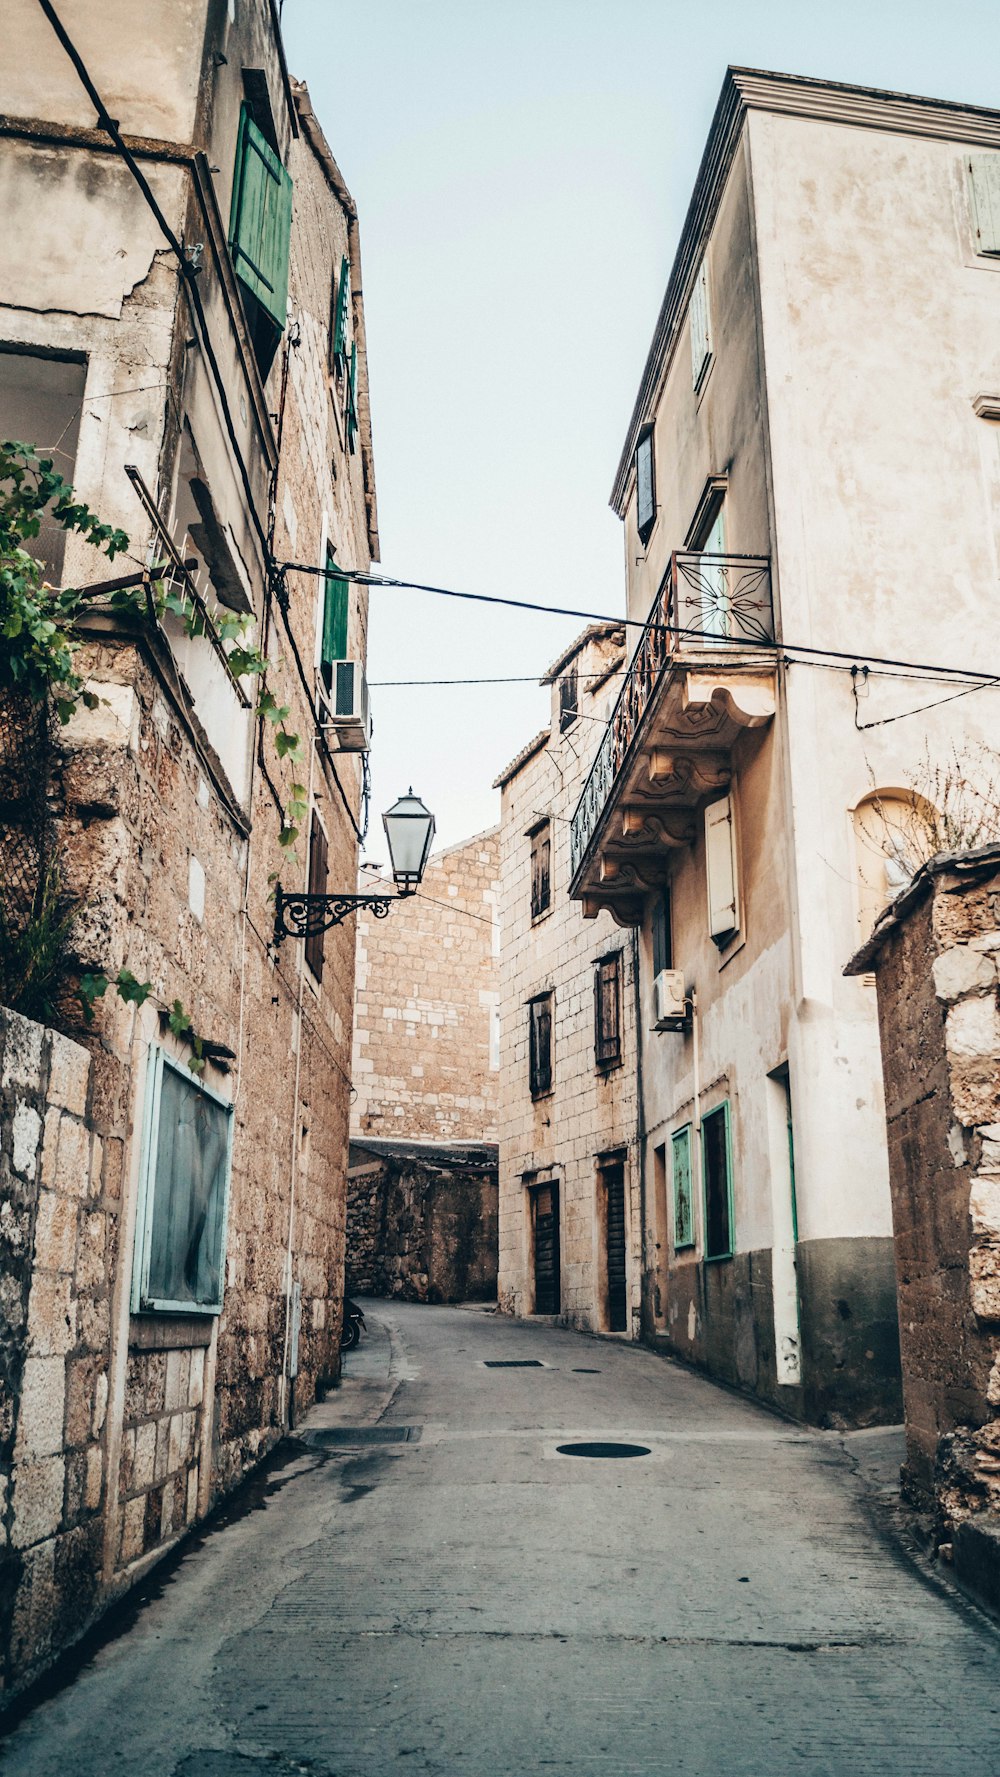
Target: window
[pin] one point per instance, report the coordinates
(180, 1240)
(260, 225)
(984, 186)
(721, 872)
(40, 403)
(680, 1152)
(569, 699)
(317, 886)
(540, 1045)
(663, 950)
(335, 615)
(541, 870)
(701, 328)
(338, 318)
(351, 414)
(199, 531)
(717, 1167)
(607, 1010)
(645, 490)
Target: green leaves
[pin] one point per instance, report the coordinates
(288, 746)
(93, 987)
(131, 990)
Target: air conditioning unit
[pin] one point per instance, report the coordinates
(669, 1001)
(346, 706)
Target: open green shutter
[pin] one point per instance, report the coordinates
(984, 179)
(335, 610)
(352, 397)
(340, 313)
(260, 223)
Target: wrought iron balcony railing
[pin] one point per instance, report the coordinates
(716, 602)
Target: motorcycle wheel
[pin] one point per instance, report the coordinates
(350, 1336)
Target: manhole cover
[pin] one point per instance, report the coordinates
(583, 1372)
(604, 1450)
(512, 1363)
(334, 1437)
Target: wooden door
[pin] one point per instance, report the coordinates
(547, 1295)
(614, 1190)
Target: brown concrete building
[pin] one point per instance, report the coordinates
(173, 1239)
(422, 1189)
(570, 1181)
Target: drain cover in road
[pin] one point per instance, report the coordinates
(603, 1450)
(512, 1363)
(336, 1437)
(583, 1372)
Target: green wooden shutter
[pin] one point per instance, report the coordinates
(352, 397)
(683, 1202)
(335, 611)
(984, 179)
(260, 223)
(340, 311)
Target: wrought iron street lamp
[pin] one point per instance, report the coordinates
(409, 830)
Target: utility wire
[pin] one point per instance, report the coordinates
(189, 274)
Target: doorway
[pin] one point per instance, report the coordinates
(613, 1176)
(545, 1207)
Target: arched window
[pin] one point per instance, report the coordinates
(888, 826)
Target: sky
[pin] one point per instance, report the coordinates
(522, 170)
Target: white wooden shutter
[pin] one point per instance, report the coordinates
(720, 865)
(645, 505)
(984, 181)
(701, 328)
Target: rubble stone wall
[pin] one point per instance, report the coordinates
(421, 1232)
(937, 978)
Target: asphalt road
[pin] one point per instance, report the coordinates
(471, 1601)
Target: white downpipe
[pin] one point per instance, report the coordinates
(294, 1173)
(699, 1192)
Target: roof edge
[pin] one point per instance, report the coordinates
(541, 740)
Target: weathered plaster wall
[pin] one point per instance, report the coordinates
(426, 1051)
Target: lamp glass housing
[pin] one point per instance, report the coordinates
(409, 832)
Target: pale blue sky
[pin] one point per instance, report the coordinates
(522, 171)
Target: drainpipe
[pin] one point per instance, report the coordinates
(284, 1405)
(640, 1125)
(697, 1104)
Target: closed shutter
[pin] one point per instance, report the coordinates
(317, 886)
(541, 871)
(984, 180)
(645, 496)
(607, 1010)
(614, 1185)
(547, 1267)
(683, 1201)
(352, 398)
(260, 223)
(720, 866)
(701, 328)
(335, 614)
(540, 1046)
(339, 342)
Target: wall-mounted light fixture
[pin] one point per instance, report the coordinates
(409, 830)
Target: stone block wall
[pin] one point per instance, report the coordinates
(936, 955)
(423, 1227)
(60, 1193)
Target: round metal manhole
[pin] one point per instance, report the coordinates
(610, 1451)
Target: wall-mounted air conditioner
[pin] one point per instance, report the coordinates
(670, 1010)
(346, 708)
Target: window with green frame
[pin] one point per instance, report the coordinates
(717, 1173)
(336, 609)
(680, 1154)
(180, 1239)
(260, 226)
(338, 324)
(352, 400)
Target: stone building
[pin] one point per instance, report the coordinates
(172, 1236)
(570, 1180)
(818, 402)
(935, 953)
(422, 1188)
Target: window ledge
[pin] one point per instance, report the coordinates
(169, 1332)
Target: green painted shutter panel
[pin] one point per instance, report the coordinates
(260, 225)
(984, 179)
(352, 397)
(335, 611)
(683, 1200)
(340, 313)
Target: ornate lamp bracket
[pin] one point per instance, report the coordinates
(304, 916)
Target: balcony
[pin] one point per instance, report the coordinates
(704, 671)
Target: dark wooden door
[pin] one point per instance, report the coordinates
(547, 1249)
(614, 1186)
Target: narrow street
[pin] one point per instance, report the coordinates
(470, 1600)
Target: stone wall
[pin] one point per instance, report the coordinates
(422, 1222)
(426, 1034)
(936, 955)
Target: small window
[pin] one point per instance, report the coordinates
(607, 1011)
(351, 411)
(318, 852)
(260, 226)
(541, 870)
(645, 489)
(569, 699)
(180, 1241)
(680, 1151)
(335, 616)
(717, 1166)
(701, 328)
(540, 1045)
(721, 872)
(41, 400)
(663, 950)
(338, 317)
(984, 186)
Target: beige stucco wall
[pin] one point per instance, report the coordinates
(426, 1053)
(588, 1113)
